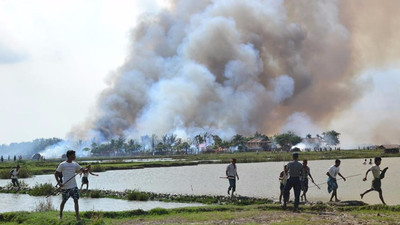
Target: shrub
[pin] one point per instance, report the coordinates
(42, 189)
(24, 173)
(5, 174)
(95, 194)
(138, 196)
(158, 211)
(97, 168)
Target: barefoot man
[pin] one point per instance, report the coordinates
(332, 183)
(68, 186)
(376, 182)
(231, 173)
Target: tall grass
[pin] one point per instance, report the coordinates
(44, 206)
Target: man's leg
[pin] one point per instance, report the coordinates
(362, 195)
(62, 208)
(77, 209)
(333, 194)
(297, 189)
(381, 197)
(233, 186)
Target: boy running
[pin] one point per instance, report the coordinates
(85, 179)
(69, 188)
(304, 179)
(231, 173)
(376, 182)
(332, 183)
(14, 177)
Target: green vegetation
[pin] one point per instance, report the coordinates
(137, 196)
(221, 214)
(42, 190)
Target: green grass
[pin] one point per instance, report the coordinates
(268, 213)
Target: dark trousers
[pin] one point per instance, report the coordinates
(232, 184)
(295, 183)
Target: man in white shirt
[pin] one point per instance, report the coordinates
(376, 182)
(14, 177)
(332, 183)
(231, 174)
(69, 187)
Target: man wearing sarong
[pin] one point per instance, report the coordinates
(376, 182)
(295, 169)
(332, 183)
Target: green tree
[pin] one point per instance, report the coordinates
(287, 140)
(240, 141)
(331, 137)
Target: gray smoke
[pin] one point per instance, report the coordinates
(231, 66)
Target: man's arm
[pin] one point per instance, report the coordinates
(309, 174)
(365, 178)
(342, 176)
(329, 175)
(57, 176)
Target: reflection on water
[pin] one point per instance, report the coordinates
(256, 180)
(22, 202)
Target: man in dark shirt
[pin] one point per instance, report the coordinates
(295, 169)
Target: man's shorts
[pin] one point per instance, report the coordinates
(73, 192)
(85, 180)
(15, 182)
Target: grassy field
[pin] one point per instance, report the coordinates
(29, 168)
(254, 214)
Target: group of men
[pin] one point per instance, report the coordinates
(295, 175)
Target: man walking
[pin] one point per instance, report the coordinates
(231, 174)
(332, 183)
(69, 187)
(376, 182)
(295, 169)
(14, 177)
(304, 179)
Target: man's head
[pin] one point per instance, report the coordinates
(295, 155)
(233, 161)
(285, 168)
(71, 155)
(305, 162)
(378, 161)
(17, 167)
(337, 162)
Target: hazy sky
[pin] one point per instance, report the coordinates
(54, 60)
(55, 57)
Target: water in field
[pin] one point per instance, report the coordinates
(256, 180)
(23, 202)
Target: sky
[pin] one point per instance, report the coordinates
(56, 58)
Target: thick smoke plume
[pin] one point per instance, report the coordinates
(231, 66)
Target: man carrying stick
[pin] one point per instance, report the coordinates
(376, 182)
(231, 174)
(69, 187)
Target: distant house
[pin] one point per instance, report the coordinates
(37, 156)
(389, 148)
(261, 144)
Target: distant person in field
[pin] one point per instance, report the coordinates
(283, 177)
(304, 179)
(231, 174)
(370, 161)
(295, 170)
(365, 162)
(378, 176)
(14, 177)
(85, 179)
(69, 168)
(2, 159)
(332, 182)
